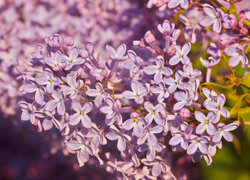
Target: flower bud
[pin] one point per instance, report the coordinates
(171, 51)
(230, 21)
(185, 113)
(149, 37)
(244, 31)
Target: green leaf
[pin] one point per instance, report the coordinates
(247, 22)
(246, 80)
(247, 49)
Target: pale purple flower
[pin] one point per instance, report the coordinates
(158, 70)
(136, 122)
(151, 154)
(174, 3)
(217, 106)
(210, 95)
(133, 62)
(213, 17)
(166, 27)
(181, 55)
(112, 111)
(198, 143)
(223, 130)
(72, 59)
(190, 72)
(83, 150)
(57, 102)
(137, 93)
(237, 54)
(230, 21)
(206, 122)
(117, 54)
(39, 92)
(175, 83)
(97, 137)
(49, 80)
(29, 112)
(161, 90)
(81, 114)
(179, 139)
(99, 73)
(153, 113)
(98, 93)
(55, 62)
(183, 99)
(116, 135)
(210, 63)
(149, 135)
(72, 87)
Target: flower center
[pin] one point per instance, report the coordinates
(153, 112)
(136, 119)
(206, 122)
(51, 80)
(82, 112)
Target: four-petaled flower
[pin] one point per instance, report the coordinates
(161, 90)
(206, 122)
(47, 79)
(137, 93)
(180, 55)
(57, 102)
(175, 83)
(237, 54)
(158, 70)
(153, 113)
(136, 122)
(198, 143)
(98, 93)
(73, 87)
(213, 17)
(183, 98)
(81, 114)
(72, 59)
(217, 106)
(223, 130)
(55, 62)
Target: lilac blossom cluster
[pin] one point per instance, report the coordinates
(134, 102)
(144, 103)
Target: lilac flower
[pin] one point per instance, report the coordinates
(211, 96)
(98, 93)
(175, 3)
(39, 92)
(179, 139)
(190, 72)
(198, 143)
(133, 64)
(153, 113)
(149, 135)
(136, 122)
(83, 150)
(211, 63)
(57, 102)
(230, 21)
(183, 98)
(81, 114)
(181, 55)
(49, 80)
(175, 83)
(206, 122)
(158, 70)
(237, 54)
(99, 74)
(137, 93)
(161, 90)
(55, 62)
(116, 135)
(117, 54)
(73, 86)
(152, 151)
(29, 112)
(223, 130)
(213, 17)
(112, 112)
(218, 106)
(72, 59)
(166, 27)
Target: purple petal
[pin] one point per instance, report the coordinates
(121, 50)
(203, 148)
(51, 105)
(151, 69)
(217, 26)
(200, 116)
(73, 53)
(75, 119)
(73, 145)
(128, 124)
(228, 136)
(211, 130)
(129, 95)
(76, 106)
(207, 21)
(201, 128)
(173, 3)
(174, 60)
(152, 140)
(121, 144)
(25, 116)
(192, 148)
(84, 155)
(234, 61)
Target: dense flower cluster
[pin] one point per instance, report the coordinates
(123, 109)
